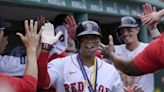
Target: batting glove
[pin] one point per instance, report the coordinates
(48, 35)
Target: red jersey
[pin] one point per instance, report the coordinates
(152, 58)
(25, 84)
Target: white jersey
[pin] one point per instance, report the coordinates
(12, 66)
(146, 81)
(66, 76)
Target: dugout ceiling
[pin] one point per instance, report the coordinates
(105, 11)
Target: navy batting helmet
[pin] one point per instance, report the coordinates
(127, 21)
(88, 28)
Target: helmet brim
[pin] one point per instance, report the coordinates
(89, 33)
(126, 26)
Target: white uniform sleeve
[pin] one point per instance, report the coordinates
(55, 71)
(117, 83)
(13, 66)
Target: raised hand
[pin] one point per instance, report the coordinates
(31, 38)
(148, 9)
(104, 50)
(71, 26)
(150, 17)
(107, 49)
(149, 13)
(41, 21)
(48, 34)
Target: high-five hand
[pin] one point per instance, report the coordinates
(31, 38)
(71, 26)
(48, 34)
(148, 9)
(150, 17)
(41, 21)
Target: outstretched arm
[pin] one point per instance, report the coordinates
(123, 64)
(152, 18)
(31, 41)
(153, 30)
(29, 81)
(47, 40)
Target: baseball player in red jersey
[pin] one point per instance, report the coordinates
(29, 81)
(82, 71)
(150, 59)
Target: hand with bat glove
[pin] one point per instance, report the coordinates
(48, 37)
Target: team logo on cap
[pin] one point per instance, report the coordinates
(123, 22)
(89, 27)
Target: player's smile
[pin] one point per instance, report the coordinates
(90, 45)
(90, 48)
(128, 35)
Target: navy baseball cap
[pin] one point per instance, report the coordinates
(88, 28)
(127, 21)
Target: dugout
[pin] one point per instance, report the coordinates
(106, 12)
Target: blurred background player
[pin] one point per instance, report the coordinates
(128, 33)
(147, 61)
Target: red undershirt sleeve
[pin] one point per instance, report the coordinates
(148, 60)
(63, 54)
(26, 84)
(43, 76)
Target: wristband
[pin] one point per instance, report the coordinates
(46, 47)
(155, 33)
